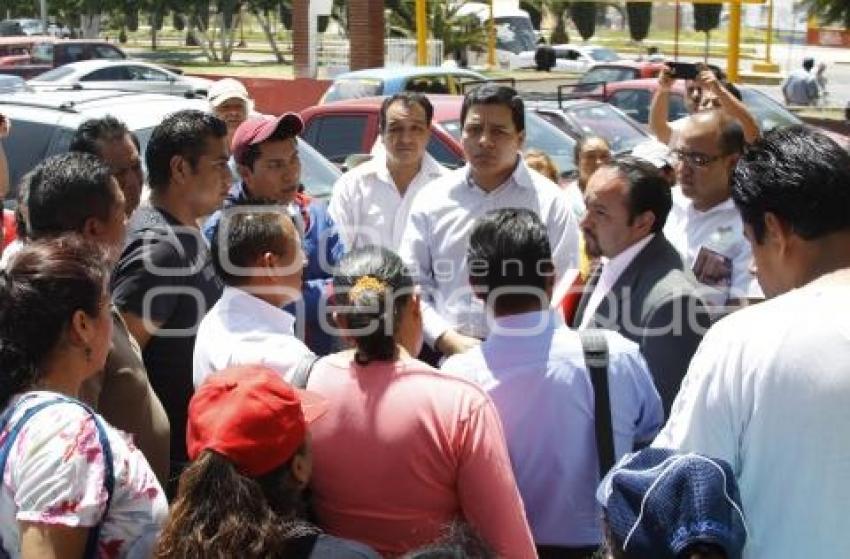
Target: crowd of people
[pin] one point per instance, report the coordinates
(649, 359)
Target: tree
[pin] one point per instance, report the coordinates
(458, 33)
(640, 17)
(583, 15)
(706, 18)
(830, 11)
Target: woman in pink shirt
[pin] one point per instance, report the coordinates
(405, 450)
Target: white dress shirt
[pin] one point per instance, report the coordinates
(241, 329)
(768, 391)
(366, 204)
(719, 230)
(435, 241)
(612, 269)
(532, 366)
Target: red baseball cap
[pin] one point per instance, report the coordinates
(252, 417)
(256, 130)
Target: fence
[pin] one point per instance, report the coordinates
(333, 53)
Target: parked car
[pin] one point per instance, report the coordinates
(633, 98)
(126, 75)
(345, 128)
(615, 72)
(583, 117)
(387, 81)
(11, 83)
(44, 122)
(46, 53)
(573, 58)
(23, 26)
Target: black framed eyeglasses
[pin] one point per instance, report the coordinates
(694, 158)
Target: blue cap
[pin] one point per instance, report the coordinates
(658, 503)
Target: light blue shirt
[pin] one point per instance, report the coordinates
(436, 239)
(532, 365)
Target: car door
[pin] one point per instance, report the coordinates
(151, 80)
(338, 135)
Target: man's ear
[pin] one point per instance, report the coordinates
(93, 228)
(180, 168)
(80, 328)
(301, 469)
(645, 222)
(777, 233)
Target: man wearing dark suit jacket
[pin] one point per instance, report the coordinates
(640, 287)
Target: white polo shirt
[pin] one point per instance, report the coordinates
(367, 206)
(435, 241)
(768, 391)
(241, 329)
(713, 239)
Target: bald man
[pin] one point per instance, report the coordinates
(704, 225)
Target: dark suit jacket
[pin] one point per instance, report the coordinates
(656, 304)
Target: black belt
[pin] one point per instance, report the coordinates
(561, 552)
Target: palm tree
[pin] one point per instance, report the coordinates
(830, 11)
(458, 33)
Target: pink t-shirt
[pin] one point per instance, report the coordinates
(405, 450)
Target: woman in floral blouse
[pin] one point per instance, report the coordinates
(72, 485)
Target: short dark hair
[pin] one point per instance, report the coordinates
(66, 190)
(94, 132)
(244, 233)
(372, 287)
(799, 175)
(509, 251)
(648, 191)
(40, 290)
(252, 153)
(406, 98)
(808, 63)
(583, 141)
(731, 136)
(495, 94)
(184, 133)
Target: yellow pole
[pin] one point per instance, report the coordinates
(769, 41)
(421, 33)
(734, 40)
(491, 39)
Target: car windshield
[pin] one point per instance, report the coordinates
(768, 113)
(353, 88)
(514, 34)
(604, 121)
(607, 74)
(55, 75)
(603, 55)
(539, 134)
(42, 53)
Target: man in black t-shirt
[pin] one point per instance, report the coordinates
(164, 282)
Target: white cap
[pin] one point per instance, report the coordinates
(654, 152)
(228, 88)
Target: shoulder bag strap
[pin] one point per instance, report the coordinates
(595, 348)
(109, 474)
(301, 376)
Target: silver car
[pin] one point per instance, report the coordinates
(126, 75)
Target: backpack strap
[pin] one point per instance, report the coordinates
(595, 348)
(109, 474)
(301, 376)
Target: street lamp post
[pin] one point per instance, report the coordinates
(44, 15)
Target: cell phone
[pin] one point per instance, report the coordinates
(683, 70)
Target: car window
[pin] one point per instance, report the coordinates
(337, 136)
(318, 175)
(604, 121)
(111, 73)
(27, 146)
(606, 74)
(541, 135)
(71, 53)
(633, 102)
(603, 55)
(442, 153)
(354, 89)
(566, 54)
(108, 52)
(143, 73)
(428, 84)
(42, 53)
(676, 109)
(768, 113)
(55, 74)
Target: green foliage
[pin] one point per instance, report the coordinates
(707, 17)
(583, 15)
(457, 32)
(830, 11)
(640, 18)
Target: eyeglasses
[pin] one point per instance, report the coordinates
(694, 158)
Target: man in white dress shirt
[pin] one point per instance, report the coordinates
(533, 367)
(371, 203)
(257, 253)
(769, 386)
(641, 288)
(704, 225)
(435, 240)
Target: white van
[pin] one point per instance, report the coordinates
(515, 36)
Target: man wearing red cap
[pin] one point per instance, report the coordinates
(265, 150)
